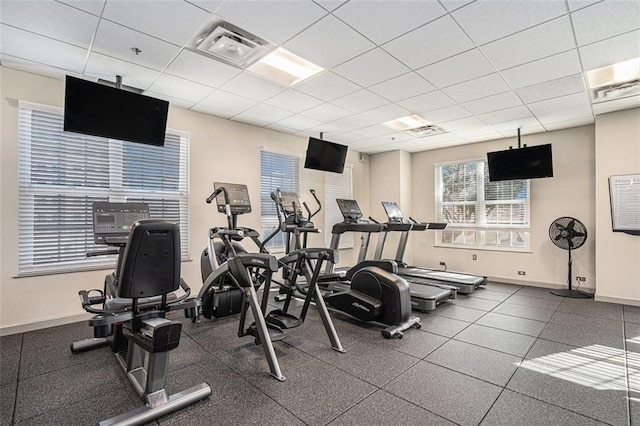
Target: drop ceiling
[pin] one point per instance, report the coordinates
(478, 69)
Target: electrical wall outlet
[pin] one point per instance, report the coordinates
(474, 256)
(581, 279)
(522, 273)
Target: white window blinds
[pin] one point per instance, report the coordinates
(277, 171)
(480, 213)
(337, 185)
(61, 174)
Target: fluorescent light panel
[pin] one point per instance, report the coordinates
(406, 123)
(284, 67)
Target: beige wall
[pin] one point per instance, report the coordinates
(617, 254)
(569, 193)
(220, 150)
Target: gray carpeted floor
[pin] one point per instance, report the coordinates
(506, 355)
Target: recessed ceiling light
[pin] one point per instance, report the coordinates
(406, 123)
(284, 67)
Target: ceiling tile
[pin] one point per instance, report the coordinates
(180, 88)
(51, 19)
(493, 103)
(274, 20)
(107, 68)
(327, 130)
(477, 134)
(299, 122)
(427, 102)
(209, 5)
(281, 129)
(8, 61)
(42, 50)
(488, 20)
(527, 125)
(611, 51)
(252, 87)
(201, 69)
(579, 4)
(428, 143)
(294, 101)
(158, 19)
(360, 101)
(330, 4)
(452, 5)
(173, 101)
(385, 113)
(326, 113)
(465, 66)
(204, 109)
(327, 86)
(478, 88)
(450, 113)
(542, 70)
(370, 68)
(535, 43)
(402, 87)
(381, 21)
(562, 109)
(117, 41)
(464, 123)
(328, 43)
(92, 6)
(226, 101)
(354, 122)
(250, 119)
(505, 115)
(267, 113)
(375, 131)
(552, 89)
(605, 19)
(585, 121)
(430, 43)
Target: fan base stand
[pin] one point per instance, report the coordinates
(574, 294)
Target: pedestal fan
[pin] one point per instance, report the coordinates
(569, 234)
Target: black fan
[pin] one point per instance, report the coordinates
(569, 234)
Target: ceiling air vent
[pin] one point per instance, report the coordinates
(428, 130)
(227, 43)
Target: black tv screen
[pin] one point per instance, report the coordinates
(325, 156)
(530, 162)
(95, 109)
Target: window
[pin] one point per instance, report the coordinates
(277, 171)
(61, 174)
(481, 214)
(337, 185)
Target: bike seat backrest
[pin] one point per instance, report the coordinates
(151, 260)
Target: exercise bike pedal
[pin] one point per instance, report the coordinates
(282, 320)
(275, 333)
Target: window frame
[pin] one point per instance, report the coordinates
(115, 190)
(480, 228)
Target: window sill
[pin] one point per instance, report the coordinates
(498, 249)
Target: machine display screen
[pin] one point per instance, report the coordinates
(238, 197)
(393, 211)
(289, 200)
(112, 221)
(349, 209)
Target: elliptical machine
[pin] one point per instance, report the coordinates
(232, 277)
(366, 293)
(135, 301)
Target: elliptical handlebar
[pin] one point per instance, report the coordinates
(277, 198)
(315, 197)
(227, 203)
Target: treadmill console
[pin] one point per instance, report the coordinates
(350, 210)
(393, 212)
(112, 221)
(238, 197)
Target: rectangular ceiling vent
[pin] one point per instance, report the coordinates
(227, 43)
(423, 131)
(615, 91)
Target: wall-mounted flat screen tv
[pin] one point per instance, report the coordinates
(530, 162)
(99, 110)
(325, 156)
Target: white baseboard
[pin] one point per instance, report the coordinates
(619, 300)
(46, 323)
(553, 286)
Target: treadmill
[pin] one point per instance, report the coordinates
(423, 298)
(465, 283)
